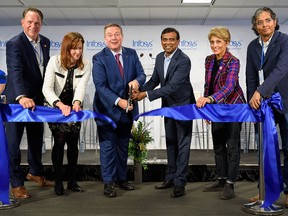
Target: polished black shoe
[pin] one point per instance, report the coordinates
(75, 187)
(110, 190)
(178, 191)
(125, 185)
(218, 185)
(165, 185)
(59, 189)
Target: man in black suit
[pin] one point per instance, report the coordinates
(27, 55)
(172, 72)
(267, 73)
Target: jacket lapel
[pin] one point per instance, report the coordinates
(161, 68)
(29, 48)
(114, 67)
(271, 46)
(171, 64)
(45, 51)
(209, 67)
(126, 64)
(222, 66)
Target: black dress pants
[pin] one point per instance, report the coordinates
(60, 138)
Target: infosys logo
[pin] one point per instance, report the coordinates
(142, 44)
(234, 44)
(188, 44)
(55, 44)
(95, 44)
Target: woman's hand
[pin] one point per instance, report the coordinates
(201, 102)
(66, 110)
(77, 106)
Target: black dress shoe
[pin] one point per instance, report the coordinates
(178, 191)
(110, 190)
(59, 189)
(165, 185)
(75, 187)
(59, 192)
(217, 185)
(125, 185)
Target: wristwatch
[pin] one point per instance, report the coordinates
(211, 99)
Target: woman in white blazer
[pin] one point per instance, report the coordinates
(64, 88)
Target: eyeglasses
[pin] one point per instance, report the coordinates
(261, 22)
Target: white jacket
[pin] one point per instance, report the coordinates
(55, 79)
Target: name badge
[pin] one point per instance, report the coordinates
(261, 77)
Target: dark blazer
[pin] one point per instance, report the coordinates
(109, 83)
(24, 76)
(275, 68)
(176, 88)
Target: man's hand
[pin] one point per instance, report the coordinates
(134, 84)
(27, 103)
(255, 100)
(2, 87)
(137, 95)
(124, 103)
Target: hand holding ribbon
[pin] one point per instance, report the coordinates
(226, 113)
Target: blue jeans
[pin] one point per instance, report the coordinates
(282, 121)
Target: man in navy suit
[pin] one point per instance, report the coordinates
(115, 70)
(172, 72)
(27, 55)
(267, 73)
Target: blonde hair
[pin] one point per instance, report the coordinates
(220, 32)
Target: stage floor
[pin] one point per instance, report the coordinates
(144, 200)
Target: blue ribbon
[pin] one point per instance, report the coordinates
(241, 113)
(4, 166)
(2, 77)
(15, 113)
(271, 155)
(214, 113)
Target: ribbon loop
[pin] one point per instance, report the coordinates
(241, 113)
(15, 113)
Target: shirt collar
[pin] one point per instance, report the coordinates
(170, 56)
(32, 41)
(114, 53)
(266, 43)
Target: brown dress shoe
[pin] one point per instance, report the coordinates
(20, 193)
(40, 180)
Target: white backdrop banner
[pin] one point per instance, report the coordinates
(146, 41)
